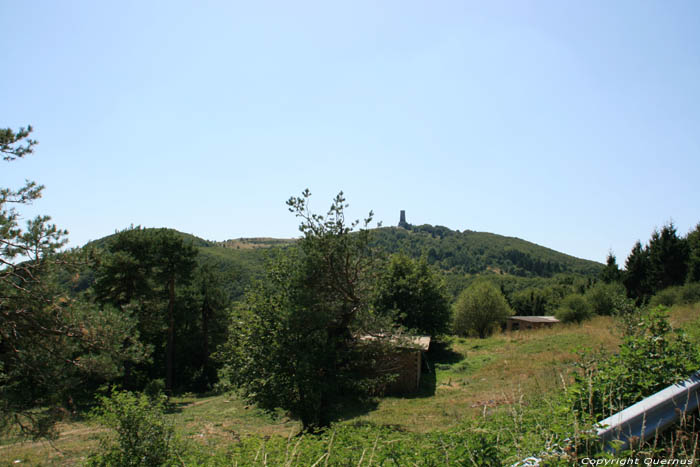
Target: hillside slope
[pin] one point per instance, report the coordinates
(472, 252)
(454, 252)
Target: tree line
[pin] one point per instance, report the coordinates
(666, 260)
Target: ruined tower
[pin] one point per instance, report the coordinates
(402, 220)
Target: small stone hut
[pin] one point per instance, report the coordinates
(516, 323)
(406, 361)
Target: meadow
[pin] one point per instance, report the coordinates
(472, 379)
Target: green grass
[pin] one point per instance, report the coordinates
(687, 317)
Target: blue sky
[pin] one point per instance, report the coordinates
(575, 125)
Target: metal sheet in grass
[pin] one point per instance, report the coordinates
(652, 415)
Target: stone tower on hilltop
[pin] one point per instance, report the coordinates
(402, 220)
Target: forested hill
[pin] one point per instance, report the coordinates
(471, 252)
(452, 251)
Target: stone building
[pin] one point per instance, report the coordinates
(406, 362)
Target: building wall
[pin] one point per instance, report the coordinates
(515, 325)
(407, 364)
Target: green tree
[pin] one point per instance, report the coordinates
(293, 342)
(662, 263)
(175, 263)
(142, 271)
(574, 308)
(693, 240)
(479, 309)
(637, 276)
(14, 145)
(532, 301)
(611, 272)
(415, 293)
(51, 343)
(668, 258)
(606, 298)
(204, 327)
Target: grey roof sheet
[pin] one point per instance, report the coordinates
(404, 342)
(535, 319)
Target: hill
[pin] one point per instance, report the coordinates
(470, 252)
(466, 252)
(454, 252)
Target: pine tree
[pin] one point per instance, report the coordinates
(637, 273)
(611, 272)
(142, 271)
(693, 240)
(668, 258)
(51, 342)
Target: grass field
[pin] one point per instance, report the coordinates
(469, 377)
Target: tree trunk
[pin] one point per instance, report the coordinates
(169, 351)
(205, 342)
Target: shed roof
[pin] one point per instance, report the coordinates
(535, 319)
(404, 342)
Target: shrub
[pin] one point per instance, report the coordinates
(667, 297)
(652, 357)
(142, 436)
(689, 293)
(155, 389)
(605, 298)
(686, 294)
(574, 308)
(479, 309)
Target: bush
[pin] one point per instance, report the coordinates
(479, 309)
(689, 293)
(652, 357)
(574, 308)
(605, 298)
(686, 294)
(142, 436)
(155, 389)
(667, 297)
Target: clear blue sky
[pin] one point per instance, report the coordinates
(575, 125)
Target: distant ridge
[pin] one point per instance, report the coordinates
(452, 251)
(472, 252)
(255, 242)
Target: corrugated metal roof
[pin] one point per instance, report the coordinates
(535, 319)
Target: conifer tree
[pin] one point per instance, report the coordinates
(637, 274)
(668, 258)
(141, 272)
(611, 272)
(51, 342)
(693, 240)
